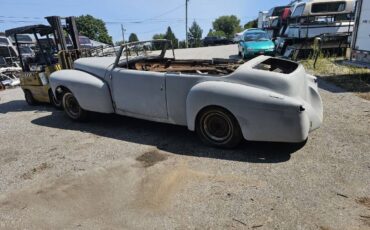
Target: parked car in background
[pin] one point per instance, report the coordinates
(9, 53)
(8, 74)
(5, 41)
(26, 52)
(85, 42)
(213, 41)
(239, 36)
(256, 42)
(274, 13)
(23, 39)
(224, 101)
(9, 81)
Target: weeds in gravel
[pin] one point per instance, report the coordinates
(352, 79)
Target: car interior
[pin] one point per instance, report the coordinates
(277, 66)
(192, 66)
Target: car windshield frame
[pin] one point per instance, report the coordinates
(127, 49)
(84, 40)
(276, 11)
(4, 41)
(25, 49)
(263, 35)
(2, 61)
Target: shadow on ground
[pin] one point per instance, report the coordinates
(356, 83)
(21, 105)
(170, 138)
(235, 57)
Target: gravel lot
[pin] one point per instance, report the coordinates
(122, 173)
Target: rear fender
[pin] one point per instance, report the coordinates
(256, 110)
(91, 92)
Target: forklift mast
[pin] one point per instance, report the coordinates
(66, 55)
(70, 27)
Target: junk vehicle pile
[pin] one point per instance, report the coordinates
(53, 51)
(9, 69)
(300, 26)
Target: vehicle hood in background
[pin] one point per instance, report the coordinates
(258, 45)
(95, 65)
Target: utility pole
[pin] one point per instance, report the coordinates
(123, 33)
(186, 23)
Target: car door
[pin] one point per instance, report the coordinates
(139, 93)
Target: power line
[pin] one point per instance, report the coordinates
(167, 12)
(140, 21)
(18, 21)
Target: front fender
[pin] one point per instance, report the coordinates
(262, 114)
(91, 92)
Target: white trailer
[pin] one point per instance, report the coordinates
(262, 19)
(361, 34)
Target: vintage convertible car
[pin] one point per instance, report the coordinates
(265, 99)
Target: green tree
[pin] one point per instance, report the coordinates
(251, 24)
(213, 33)
(156, 46)
(169, 35)
(195, 35)
(158, 36)
(118, 43)
(182, 44)
(133, 38)
(93, 28)
(228, 24)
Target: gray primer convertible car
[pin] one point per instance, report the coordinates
(264, 99)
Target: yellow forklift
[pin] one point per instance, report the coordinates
(51, 54)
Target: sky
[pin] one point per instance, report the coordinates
(143, 17)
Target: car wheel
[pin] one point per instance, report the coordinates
(54, 101)
(29, 98)
(72, 108)
(219, 128)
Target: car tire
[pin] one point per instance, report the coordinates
(58, 104)
(217, 127)
(72, 108)
(29, 98)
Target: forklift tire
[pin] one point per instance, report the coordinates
(72, 108)
(29, 98)
(54, 101)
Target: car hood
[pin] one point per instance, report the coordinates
(94, 65)
(258, 44)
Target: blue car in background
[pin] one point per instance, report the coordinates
(254, 43)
